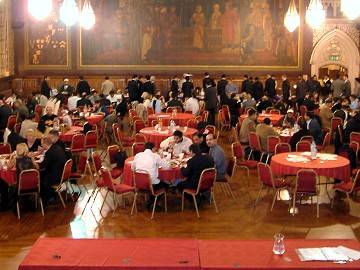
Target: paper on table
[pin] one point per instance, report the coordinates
(321, 254)
(351, 253)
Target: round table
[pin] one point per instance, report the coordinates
(274, 118)
(157, 137)
(169, 175)
(337, 169)
(94, 119)
(68, 135)
(181, 119)
(9, 176)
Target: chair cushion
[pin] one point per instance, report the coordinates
(75, 175)
(247, 163)
(190, 191)
(116, 172)
(123, 188)
(344, 187)
(99, 183)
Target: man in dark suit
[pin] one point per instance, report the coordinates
(258, 89)
(347, 87)
(133, 88)
(206, 79)
(285, 88)
(194, 167)
(83, 86)
(66, 88)
(149, 86)
(175, 102)
(84, 101)
(174, 87)
(187, 87)
(246, 85)
(5, 112)
(326, 89)
(45, 88)
(270, 86)
(221, 85)
(301, 90)
(211, 101)
(51, 168)
(313, 127)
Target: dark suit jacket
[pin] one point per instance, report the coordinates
(301, 89)
(133, 90)
(347, 89)
(45, 89)
(175, 103)
(206, 81)
(53, 165)
(221, 87)
(286, 89)
(195, 166)
(270, 87)
(84, 102)
(83, 86)
(258, 90)
(174, 87)
(315, 131)
(5, 112)
(211, 100)
(149, 87)
(69, 90)
(187, 88)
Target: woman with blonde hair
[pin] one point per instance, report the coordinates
(21, 159)
(32, 142)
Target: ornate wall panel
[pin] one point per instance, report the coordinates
(6, 40)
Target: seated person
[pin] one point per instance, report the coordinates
(264, 130)
(199, 139)
(49, 117)
(192, 104)
(353, 125)
(27, 124)
(264, 104)
(313, 126)
(174, 102)
(84, 101)
(31, 141)
(354, 102)
(218, 155)
(149, 161)
(13, 139)
(326, 113)
(72, 102)
(248, 101)
(112, 97)
(296, 137)
(54, 136)
(288, 121)
(247, 126)
(66, 118)
(309, 103)
(51, 168)
(234, 106)
(176, 144)
(194, 167)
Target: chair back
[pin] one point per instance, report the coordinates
(356, 185)
(81, 166)
(355, 147)
(282, 148)
(114, 128)
(139, 137)
(91, 139)
(211, 129)
(150, 110)
(78, 143)
(303, 146)
(96, 160)
(171, 109)
(5, 149)
(272, 141)
(306, 181)
(335, 122)
(230, 170)
(106, 177)
(254, 141)
(17, 128)
(268, 109)
(112, 150)
(29, 180)
(142, 181)
(274, 111)
(207, 179)
(205, 116)
(66, 171)
(192, 123)
(237, 151)
(154, 122)
(326, 141)
(355, 137)
(341, 133)
(138, 125)
(265, 174)
(138, 147)
(11, 122)
(307, 138)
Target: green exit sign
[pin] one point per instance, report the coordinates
(334, 57)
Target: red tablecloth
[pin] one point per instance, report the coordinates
(164, 175)
(157, 137)
(67, 136)
(338, 169)
(275, 118)
(180, 118)
(86, 254)
(221, 254)
(94, 119)
(9, 176)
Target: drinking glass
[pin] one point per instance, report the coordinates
(279, 246)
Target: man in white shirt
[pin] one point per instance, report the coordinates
(176, 144)
(107, 86)
(72, 102)
(112, 97)
(149, 161)
(192, 104)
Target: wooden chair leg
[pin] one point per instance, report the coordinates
(196, 206)
(317, 207)
(154, 206)
(41, 206)
(134, 204)
(349, 201)
(18, 208)
(61, 198)
(115, 203)
(230, 191)
(258, 196)
(274, 200)
(212, 194)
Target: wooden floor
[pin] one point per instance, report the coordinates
(236, 220)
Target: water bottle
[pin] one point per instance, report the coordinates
(279, 245)
(313, 150)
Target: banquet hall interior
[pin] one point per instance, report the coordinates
(179, 134)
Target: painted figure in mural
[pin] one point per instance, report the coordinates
(215, 20)
(147, 39)
(267, 26)
(230, 22)
(198, 20)
(172, 24)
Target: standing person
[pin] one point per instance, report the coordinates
(211, 101)
(133, 88)
(66, 88)
(174, 87)
(187, 87)
(270, 86)
(347, 86)
(337, 87)
(72, 102)
(218, 155)
(221, 86)
(5, 112)
(301, 90)
(107, 86)
(206, 79)
(285, 88)
(326, 89)
(258, 89)
(149, 85)
(313, 127)
(326, 114)
(83, 86)
(246, 84)
(45, 88)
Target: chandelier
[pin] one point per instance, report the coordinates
(87, 17)
(292, 18)
(69, 12)
(39, 9)
(350, 9)
(315, 14)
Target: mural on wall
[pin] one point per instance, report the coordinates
(248, 33)
(47, 41)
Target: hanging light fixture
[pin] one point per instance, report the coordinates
(350, 9)
(87, 17)
(315, 14)
(292, 18)
(69, 12)
(39, 9)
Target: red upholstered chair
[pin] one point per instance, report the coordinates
(143, 184)
(125, 141)
(205, 116)
(114, 128)
(224, 118)
(81, 167)
(11, 122)
(335, 121)
(282, 148)
(225, 184)
(115, 187)
(17, 128)
(239, 156)
(91, 140)
(274, 111)
(355, 146)
(348, 188)
(355, 137)
(254, 143)
(154, 122)
(267, 181)
(5, 149)
(303, 146)
(64, 179)
(171, 109)
(150, 110)
(139, 125)
(206, 183)
(268, 109)
(139, 137)
(272, 141)
(38, 109)
(306, 183)
(192, 123)
(307, 138)
(77, 143)
(210, 129)
(138, 147)
(326, 142)
(29, 184)
(112, 150)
